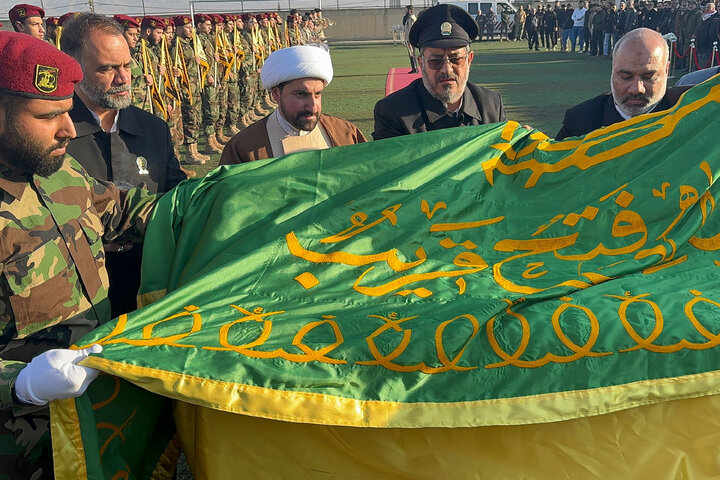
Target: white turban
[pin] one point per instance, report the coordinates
(301, 61)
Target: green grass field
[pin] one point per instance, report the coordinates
(536, 87)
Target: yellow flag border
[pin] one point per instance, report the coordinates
(315, 408)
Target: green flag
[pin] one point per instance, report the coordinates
(458, 278)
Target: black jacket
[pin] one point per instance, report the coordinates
(413, 110)
(600, 112)
(143, 134)
(115, 158)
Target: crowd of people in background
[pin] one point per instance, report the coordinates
(594, 28)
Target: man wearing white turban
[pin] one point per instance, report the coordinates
(296, 77)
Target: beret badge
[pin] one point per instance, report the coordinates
(446, 29)
(46, 78)
(21, 12)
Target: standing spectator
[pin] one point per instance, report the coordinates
(609, 26)
(651, 16)
(408, 21)
(596, 30)
(578, 18)
(504, 21)
(531, 27)
(587, 23)
(665, 16)
(565, 22)
(490, 24)
(551, 28)
(679, 29)
(480, 19)
(691, 26)
(708, 33)
(540, 14)
(619, 29)
(632, 18)
(520, 17)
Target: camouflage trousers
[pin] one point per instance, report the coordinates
(25, 446)
(176, 127)
(222, 101)
(246, 96)
(232, 104)
(192, 115)
(210, 108)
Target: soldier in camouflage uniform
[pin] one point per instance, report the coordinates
(183, 48)
(175, 120)
(152, 32)
(255, 112)
(140, 82)
(53, 221)
(51, 24)
(239, 111)
(228, 76)
(210, 108)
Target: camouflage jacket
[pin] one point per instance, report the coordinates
(207, 41)
(139, 86)
(54, 283)
(186, 47)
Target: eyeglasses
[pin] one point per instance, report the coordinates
(437, 63)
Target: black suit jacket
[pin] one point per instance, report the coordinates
(600, 112)
(114, 158)
(413, 110)
(142, 133)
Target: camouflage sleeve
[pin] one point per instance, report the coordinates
(9, 371)
(124, 213)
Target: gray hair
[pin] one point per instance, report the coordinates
(78, 29)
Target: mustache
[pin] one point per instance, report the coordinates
(446, 76)
(645, 98)
(121, 88)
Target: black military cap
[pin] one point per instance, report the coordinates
(443, 26)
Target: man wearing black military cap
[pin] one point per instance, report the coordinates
(442, 98)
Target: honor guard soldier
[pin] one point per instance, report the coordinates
(55, 219)
(28, 19)
(186, 50)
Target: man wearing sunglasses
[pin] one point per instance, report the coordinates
(443, 97)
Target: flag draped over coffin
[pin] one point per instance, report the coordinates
(459, 278)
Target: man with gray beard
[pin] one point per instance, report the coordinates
(443, 97)
(638, 85)
(116, 141)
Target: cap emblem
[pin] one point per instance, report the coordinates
(446, 29)
(46, 78)
(21, 12)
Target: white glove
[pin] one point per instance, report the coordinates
(54, 375)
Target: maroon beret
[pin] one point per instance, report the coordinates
(32, 68)
(126, 21)
(153, 22)
(202, 17)
(22, 11)
(181, 20)
(66, 17)
(217, 18)
(51, 21)
(169, 22)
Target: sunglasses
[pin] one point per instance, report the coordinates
(437, 63)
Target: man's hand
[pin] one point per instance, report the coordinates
(54, 375)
